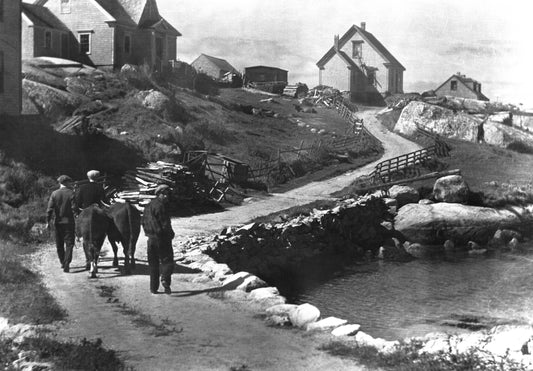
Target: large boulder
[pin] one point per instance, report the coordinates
(438, 120)
(155, 100)
(451, 188)
(436, 223)
(403, 195)
(304, 315)
(48, 100)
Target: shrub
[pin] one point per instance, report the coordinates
(520, 147)
(204, 84)
(215, 132)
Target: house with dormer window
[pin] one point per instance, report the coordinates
(108, 33)
(360, 64)
(10, 63)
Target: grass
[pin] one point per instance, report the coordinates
(85, 355)
(407, 358)
(24, 298)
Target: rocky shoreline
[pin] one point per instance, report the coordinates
(372, 226)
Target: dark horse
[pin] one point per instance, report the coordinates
(125, 228)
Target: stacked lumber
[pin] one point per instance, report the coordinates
(139, 185)
(71, 123)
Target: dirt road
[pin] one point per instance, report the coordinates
(191, 329)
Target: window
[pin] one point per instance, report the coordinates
(453, 85)
(371, 76)
(48, 39)
(85, 43)
(127, 44)
(65, 6)
(1, 71)
(357, 49)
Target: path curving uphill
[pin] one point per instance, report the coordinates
(191, 330)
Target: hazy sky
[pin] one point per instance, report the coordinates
(490, 41)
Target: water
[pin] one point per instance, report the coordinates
(397, 300)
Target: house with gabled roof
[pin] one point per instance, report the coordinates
(10, 63)
(217, 68)
(360, 64)
(458, 85)
(111, 33)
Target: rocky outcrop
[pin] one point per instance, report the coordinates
(49, 101)
(436, 223)
(268, 249)
(451, 188)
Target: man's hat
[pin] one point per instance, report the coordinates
(93, 174)
(162, 188)
(64, 179)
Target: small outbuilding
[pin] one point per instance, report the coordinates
(263, 74)
(217, 68)
(460, 86)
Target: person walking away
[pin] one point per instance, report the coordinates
(90, 193)
(60, 208)
(158, 229)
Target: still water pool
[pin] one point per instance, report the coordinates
(396, 300)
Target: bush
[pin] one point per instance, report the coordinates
(520, 147)
(204, 84)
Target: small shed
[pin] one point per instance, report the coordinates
(265, 74)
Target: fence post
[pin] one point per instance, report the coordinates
(300, 149)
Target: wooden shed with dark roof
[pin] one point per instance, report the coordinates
(359, 63)
(265, 74)
(458, 85)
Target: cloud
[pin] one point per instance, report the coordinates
(483, 48)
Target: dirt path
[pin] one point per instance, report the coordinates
(190, 329)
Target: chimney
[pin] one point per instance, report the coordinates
(363, 25)
(336, 42)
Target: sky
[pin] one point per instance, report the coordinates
(489, 41)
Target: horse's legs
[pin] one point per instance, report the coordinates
(86, 250)
(115, 252)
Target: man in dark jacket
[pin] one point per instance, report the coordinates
(60, 208)
(158, 229)
(90, 193)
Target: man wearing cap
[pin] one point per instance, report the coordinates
(158, 229)
(90, 193)
(60, 208)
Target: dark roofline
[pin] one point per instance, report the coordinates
(369, 38)
(480, 95)
(272, 68)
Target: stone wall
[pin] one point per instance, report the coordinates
(266, 250)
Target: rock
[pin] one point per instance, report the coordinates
(392, 249)
(451, 188)
(129, 69)
(243, 281)
(513, 244)
(448, 245)
(403, 195)
(157, 101)
(49, 101)
(508, 338)
(276, 320)
(507, 235)
(433, 224)
(438, 120)
(280, 309)
(420, 251)
(326, 323)
(346, 330)
(425, 201)
(264, 293)
(303, 315)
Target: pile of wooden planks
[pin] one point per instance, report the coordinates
(139, 185)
